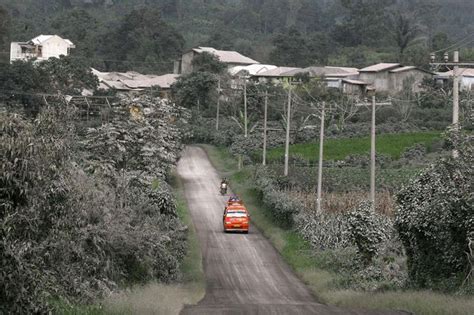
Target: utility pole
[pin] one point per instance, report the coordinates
(287, 142)
(455, 64)
(372, 149)
(264, 158)
(245, 107)
(320, 167)
(218, 103)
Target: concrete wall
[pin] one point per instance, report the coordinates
(397, 79)
(186, 62)
(467, 83)
(55, 47)
(380, 80)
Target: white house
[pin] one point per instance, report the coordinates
(229, 57)
(40, 48)
(466, 77)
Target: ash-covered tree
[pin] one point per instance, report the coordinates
(142, 41)
(403, 30)
(4, 33)
(80, 27)
(198, 89)
(23, 83)
(291, 49)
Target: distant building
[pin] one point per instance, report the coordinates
(466, 78)
(134, 82)
(40, 48)
(230, 58)
(390, 77)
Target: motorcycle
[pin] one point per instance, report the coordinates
(223, 188)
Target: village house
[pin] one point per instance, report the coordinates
(392, 77)
(133, 82)
(230, 58)
(40, 48)
(466, 78)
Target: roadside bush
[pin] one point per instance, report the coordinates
(282, 207)
(435, 216)
(366, 230)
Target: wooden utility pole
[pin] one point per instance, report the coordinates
(218, 103)
(372, 149)
(264, 158)
(320, 167)
(287, 142)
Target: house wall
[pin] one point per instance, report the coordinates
(15, 51)
(380, 80)
(467, 83)
(397, 78)
(54, 47)
(186, 62)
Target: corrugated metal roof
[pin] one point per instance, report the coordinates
(401, 69)
(163, 81)
(356, 82)
(132, 80)
(251, 69)
(380, 67)
(227, 56)
(39, 40)
(465, 72)
(277, 72)
(323, 71)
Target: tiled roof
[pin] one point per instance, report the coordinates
(324, 71)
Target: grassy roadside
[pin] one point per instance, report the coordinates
(159, 298)
(156, 298)
(297, 254)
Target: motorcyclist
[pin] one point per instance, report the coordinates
(224, 186)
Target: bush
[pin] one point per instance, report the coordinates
(281, 206)
(435, 216)
(366, 230)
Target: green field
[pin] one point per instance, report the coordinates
(338, 149)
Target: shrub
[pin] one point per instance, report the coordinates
(366, 230)
(435, 215)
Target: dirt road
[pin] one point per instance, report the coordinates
(244, 273)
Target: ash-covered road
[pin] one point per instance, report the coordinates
(244, 273)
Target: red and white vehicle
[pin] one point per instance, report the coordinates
(236, 218)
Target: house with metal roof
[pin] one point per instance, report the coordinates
(393, 77)
(466, 78)
(40, 48)
(134, 82)
(229, 57)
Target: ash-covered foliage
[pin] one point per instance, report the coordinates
(75, 220)
(435, 217)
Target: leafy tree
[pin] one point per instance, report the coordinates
(144, 40)
(435, 217)
(207, 62)
(291, 49)
(194, 88)
(403, 30)
(78, 26)
(4, 32)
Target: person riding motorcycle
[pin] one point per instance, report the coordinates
(224, 186)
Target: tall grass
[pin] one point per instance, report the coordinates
(339, 202)
(338, 149)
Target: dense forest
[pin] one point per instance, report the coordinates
(147, 35)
